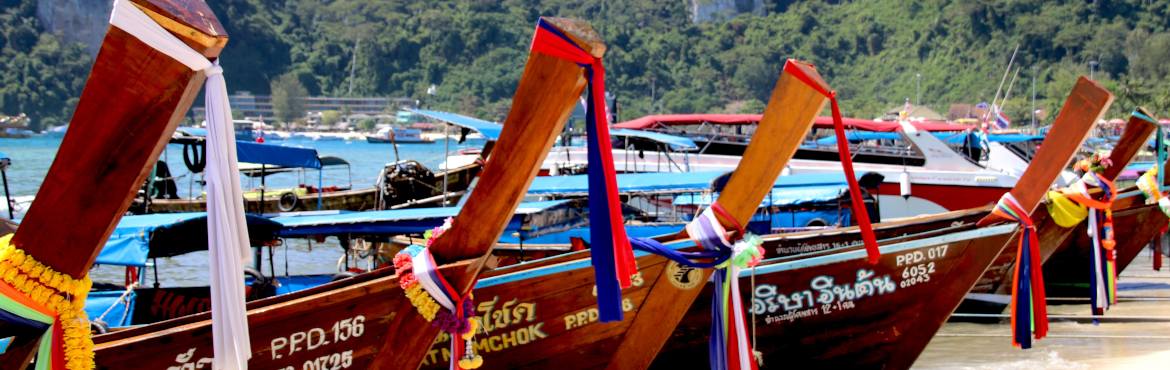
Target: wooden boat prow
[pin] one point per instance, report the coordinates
(1135, 222)
(546, 87)
(134, 123)
(582, 34)
(134, 98)
(190, 21)
(1086, 99)
(1133, 139)
(1053, 238)
(791, 110)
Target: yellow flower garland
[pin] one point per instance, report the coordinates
(61, 293)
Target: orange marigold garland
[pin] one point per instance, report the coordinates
(437, 301)
(38, 294)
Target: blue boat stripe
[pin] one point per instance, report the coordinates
(792, 265)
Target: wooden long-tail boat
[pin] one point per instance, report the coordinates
(542, 314)
(133, 100)
(835, 310)
(991, 292)
(1136, 223)
(367, 321)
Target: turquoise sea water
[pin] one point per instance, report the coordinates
(32, 157)
(1121, 344)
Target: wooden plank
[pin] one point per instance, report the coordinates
(1133, 139)
(791, 110)
(1087, 102)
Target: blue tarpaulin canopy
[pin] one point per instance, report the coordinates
(277, 155)
(489, 130)
(677, 143)
(949, 137)
(780, 196)
(419, 220)
(138, 238)
(664, 182)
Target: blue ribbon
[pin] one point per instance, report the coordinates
(683, 258)
(1024, 298)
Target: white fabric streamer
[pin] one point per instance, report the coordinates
(424, 267)
(1102, 300)
(745, 356)
(227, 231)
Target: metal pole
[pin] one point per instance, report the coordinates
(446, 160)
(1033, 98)
(7, 195)
(263, 167)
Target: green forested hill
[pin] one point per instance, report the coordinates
(658, 60)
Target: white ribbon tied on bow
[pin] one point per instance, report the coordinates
(227, 231)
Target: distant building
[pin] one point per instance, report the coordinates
(718, 10)
(257, 106)
(966, 111)
(916, 112)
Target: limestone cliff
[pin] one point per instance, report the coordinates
(83, 21)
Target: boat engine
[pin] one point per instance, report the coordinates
(405, 181)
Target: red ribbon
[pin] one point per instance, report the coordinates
(859, 210)
(1036, 310)
(552, 42)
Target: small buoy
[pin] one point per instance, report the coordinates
(904, 185)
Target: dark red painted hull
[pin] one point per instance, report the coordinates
(950, 197)
(543, 314)
(887, 329)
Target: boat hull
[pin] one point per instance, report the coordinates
(886, 326)
(544, 314)
(364, 322)
(347, 200)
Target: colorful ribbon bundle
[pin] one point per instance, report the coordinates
(35, 297)
(1029, 306)
(1069, 206)
(428, 291)
(613, 260)
(859, 210)
(1103, 270)
(1150, 186)
(1163, 202)
(729, 347)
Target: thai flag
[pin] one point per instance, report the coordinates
(1001, 120)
